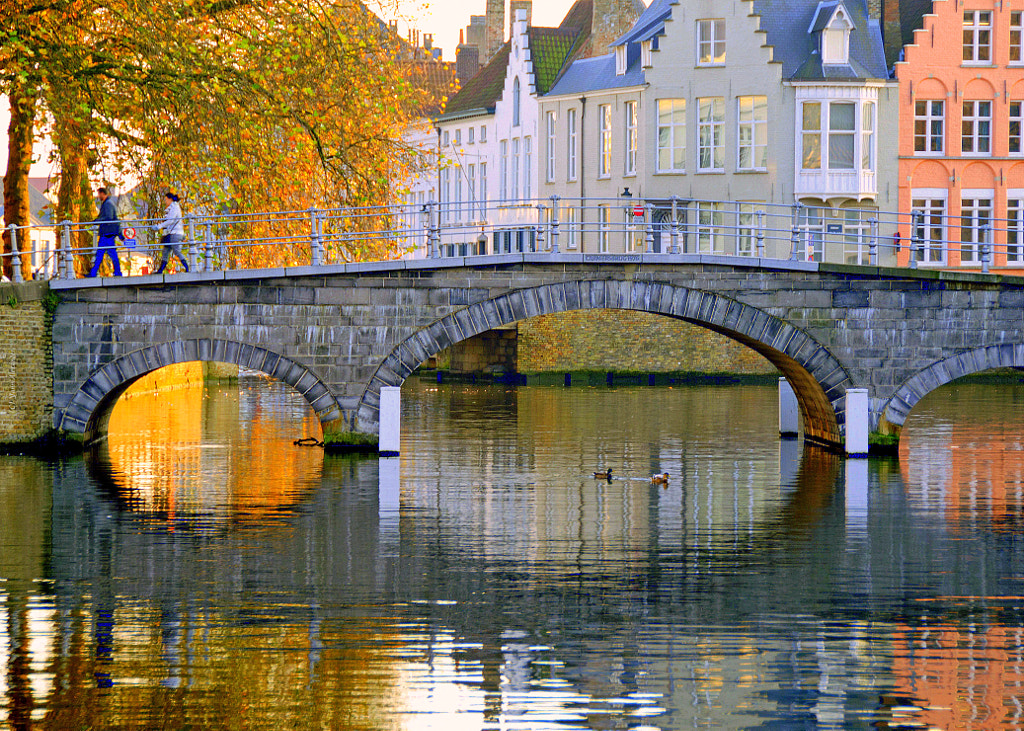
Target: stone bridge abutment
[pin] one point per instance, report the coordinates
(340, 334)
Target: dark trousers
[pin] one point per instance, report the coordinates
(107, 246)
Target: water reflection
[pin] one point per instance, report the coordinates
(486, 580)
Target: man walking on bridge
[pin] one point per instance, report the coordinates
(109, 232)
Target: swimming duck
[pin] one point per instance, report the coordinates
(606, 475)
(661, 479)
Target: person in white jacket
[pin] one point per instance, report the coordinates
(174, 232)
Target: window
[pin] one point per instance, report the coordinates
(503, 170)
(975, 224)
(710, 122)
(458, 137)
(570, 227)
(835, 40)
(483, 133)
(602, 229)
(445, 138)
(457, 195)
(867, 136)
(515, 102)
(977, 36)
(710, 239)
(746, 229)
(752, 134)
(811, 136)
(1016, 126)
(710, 42)
(527, 167)
(549, 167)
(671, 135)
(570, 128)
(471, 184)
(976, 128)
(631, 139)
(620, 60)
(1016, 37)
(811, 233)
(469, 135)
(1015, 226)
(514, 180)
(929, 123)
(442, 193)
(604, 116)
(842, 118)
(928, 208)
(856, 238)
(646, 55)
(483, 190)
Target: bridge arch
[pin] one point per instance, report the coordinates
(926, 380)
(817, 377)
(90, 406)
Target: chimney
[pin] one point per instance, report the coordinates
(467, 61)
(494, 32)
(475, 31)
(611, 19)
(428, 41)
(515, 6)
(892, 28)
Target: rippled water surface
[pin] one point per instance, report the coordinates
(203, 571)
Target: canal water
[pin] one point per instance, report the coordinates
(202, 571)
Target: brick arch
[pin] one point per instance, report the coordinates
(926, 380)
(978, 174)
(89, 408)
(819, 380)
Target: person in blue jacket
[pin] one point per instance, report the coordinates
(109, 232)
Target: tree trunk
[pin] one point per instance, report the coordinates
(74, 197)
(17, 208)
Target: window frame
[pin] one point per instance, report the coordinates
(572, 142)
(714, 142)
(977, 38)
(977, 220)
(631, 137)
(1015, 40)
(527, 167)
(754, 124)
(1015, 226)
(929, 119)
(1015, 128)
(935, 219)
(675, 129)
(976, 120)
(710, 33)
(604, 123)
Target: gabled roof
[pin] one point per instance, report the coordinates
(787, 24)
(592, 74)
(549, 50)
(651, 23)
(482, 92)
(824, 14)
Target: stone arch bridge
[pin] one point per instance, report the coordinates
(338, 334)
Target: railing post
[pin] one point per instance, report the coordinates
(540, 227)
(553, 223)
(986, 248)
(316, 251)
(67, 259)
(674, 228)
(191, 230)
(15, 254)
(873, 242)
(794, 253)
(649, 228)
(434, 229)
(208, 247)
(760, 234)
(917, 228)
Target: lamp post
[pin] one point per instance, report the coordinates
(627, 214)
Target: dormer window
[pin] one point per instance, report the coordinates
(620, 60)
(646, 57)
(835, 40)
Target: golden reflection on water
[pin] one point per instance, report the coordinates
(205, 450)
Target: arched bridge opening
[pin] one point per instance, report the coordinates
(92, 404)
(816, 376)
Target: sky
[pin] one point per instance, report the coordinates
(445, 18)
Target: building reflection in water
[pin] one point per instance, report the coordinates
(486, 579)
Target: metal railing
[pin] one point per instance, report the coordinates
(673, 227)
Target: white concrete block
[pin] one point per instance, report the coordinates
(857, 422)
(789, 410)
(390, 436)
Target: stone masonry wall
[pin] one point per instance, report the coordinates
(629, 341)
(26, 381)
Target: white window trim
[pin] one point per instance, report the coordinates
(1020, 128)
(604, 141)
(1019, 29)
(572, 145)
(928, 118)
(974, 194)
(754, 124)
(976, 30)
(671, 127)
(620, 60)
(549, 166)
(976, 123)
(631, 137)
(646, 54)
(712, 40)
(717, 126)
(1015, 194)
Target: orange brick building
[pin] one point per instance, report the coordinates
(961, 156)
